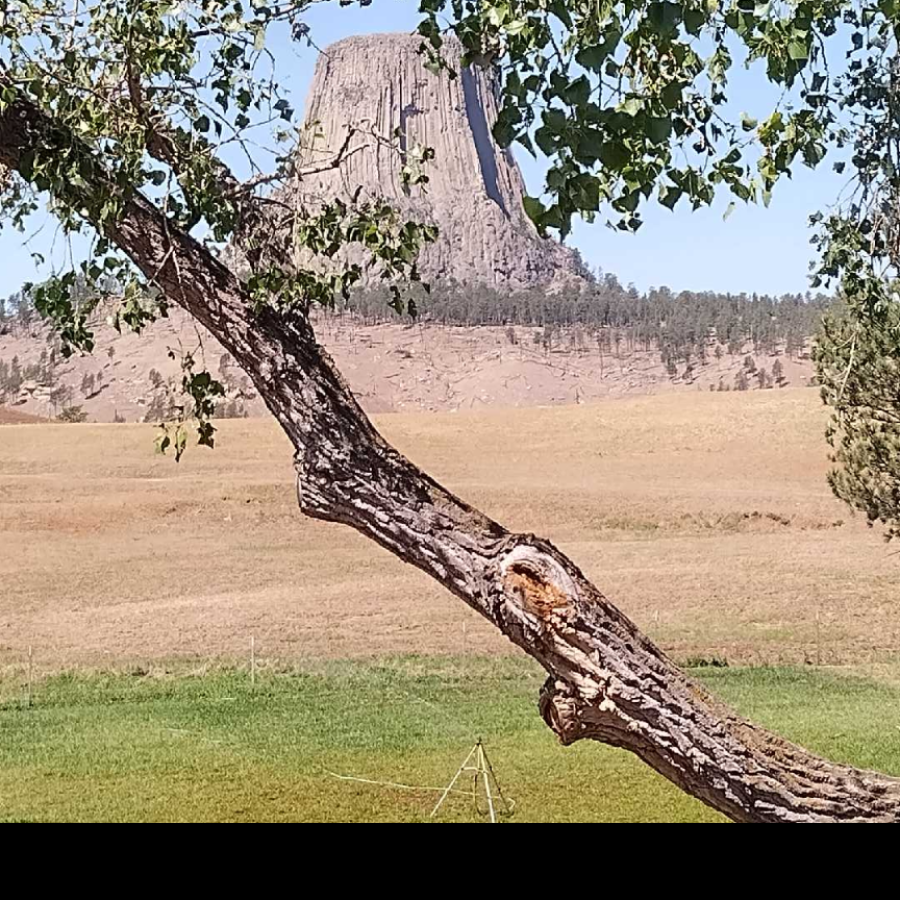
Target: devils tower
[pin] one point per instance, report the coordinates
(379, 85)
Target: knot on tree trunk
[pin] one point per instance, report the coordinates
(559, 708)
(537, 582)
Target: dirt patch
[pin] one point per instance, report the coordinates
(14, 417)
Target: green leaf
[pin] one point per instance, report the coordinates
(614, 155)
(555, 120)
(728, 211)
(555, 179)
(628, 202)
(585, 193)
(534, 209)
(669, 195)
(813, 153)
(578, 92)
(748, 123)
(546, 141)
(591, 57)
(798, 51)
(671, 94)
(202, 124)
(658, 129)
(693, 21)
(664, 17)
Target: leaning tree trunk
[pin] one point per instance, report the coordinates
(607, 681)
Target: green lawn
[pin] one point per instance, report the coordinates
(211, 747)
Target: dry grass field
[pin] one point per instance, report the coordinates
(705, 516)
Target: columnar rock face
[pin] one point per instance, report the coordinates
(379, 85)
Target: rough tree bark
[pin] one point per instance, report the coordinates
(607, 681)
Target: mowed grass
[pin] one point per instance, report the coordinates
(213, 747)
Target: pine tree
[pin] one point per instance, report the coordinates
(15, 379)
(60, 397)
(778, 373)
(790, 345)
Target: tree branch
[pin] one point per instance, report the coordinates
(343, 153)
(607, 681)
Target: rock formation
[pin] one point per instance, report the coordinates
(379, 85)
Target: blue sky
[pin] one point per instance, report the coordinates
(755, 250)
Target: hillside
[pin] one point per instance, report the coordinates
(391, 367)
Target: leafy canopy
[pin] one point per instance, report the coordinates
(169, 99)
(629, 100)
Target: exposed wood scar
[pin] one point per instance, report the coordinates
(539, 597)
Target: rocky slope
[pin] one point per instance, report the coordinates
(378, 85)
